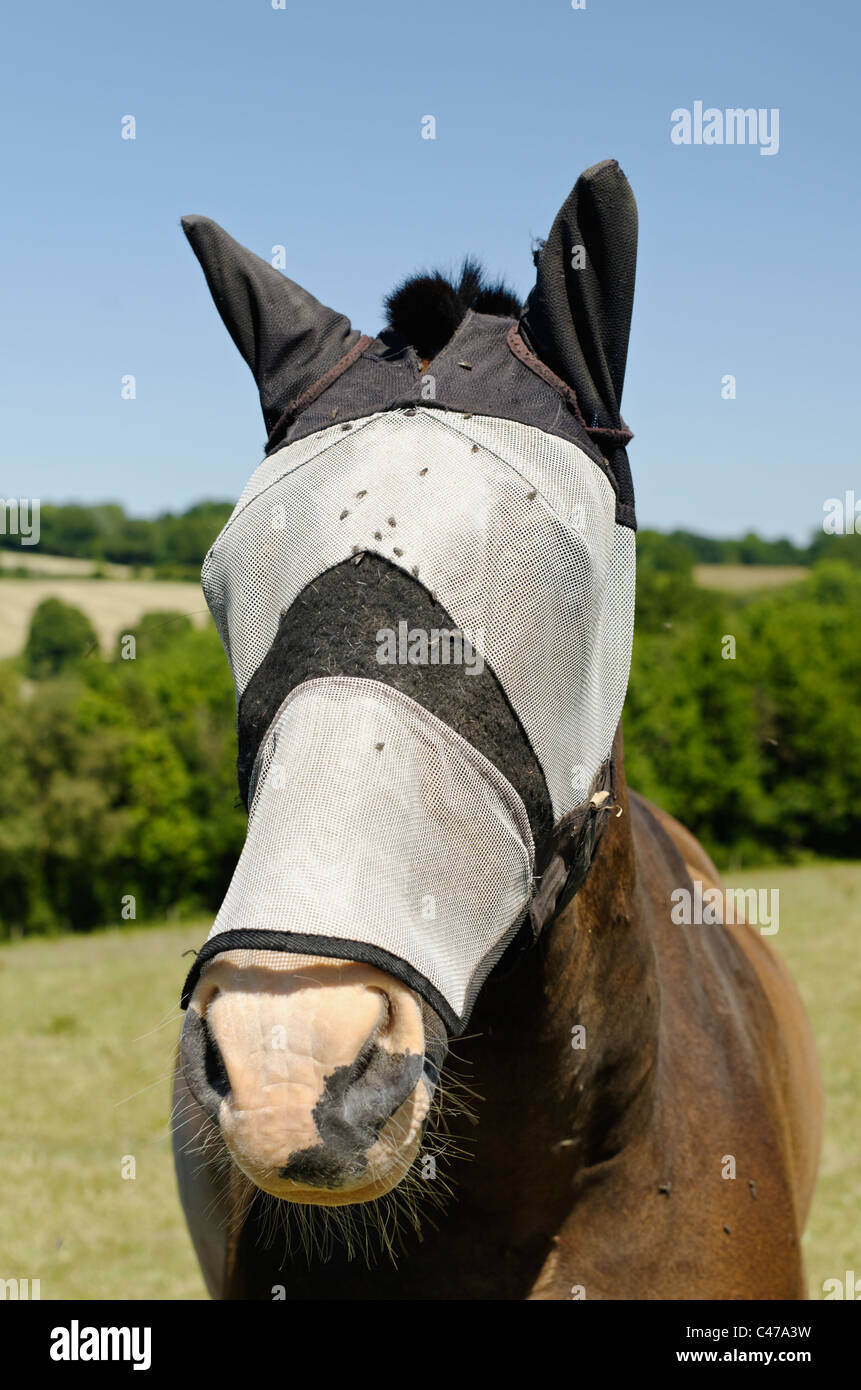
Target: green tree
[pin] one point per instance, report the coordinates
(666, 592)
(157, 631)
(60, 635)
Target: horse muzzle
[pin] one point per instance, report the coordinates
(318, 1074)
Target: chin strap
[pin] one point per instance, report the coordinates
(570, 849)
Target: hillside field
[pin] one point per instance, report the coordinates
(113, 606)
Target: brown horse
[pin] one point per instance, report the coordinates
(647, 1111)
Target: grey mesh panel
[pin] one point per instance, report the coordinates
(512, 528)
(373, 821)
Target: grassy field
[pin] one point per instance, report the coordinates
(747, 579)
(25, 564)
(820, 930)
(90, 1027)
(89, 1032)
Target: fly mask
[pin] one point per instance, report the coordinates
(496, 476)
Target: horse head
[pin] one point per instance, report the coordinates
(425, 594)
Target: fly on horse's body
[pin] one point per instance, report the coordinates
(426, 597)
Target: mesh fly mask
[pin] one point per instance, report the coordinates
(497, 479)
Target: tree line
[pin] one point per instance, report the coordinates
(173, 544)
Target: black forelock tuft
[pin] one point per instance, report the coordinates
(426, 309)
(484, 297)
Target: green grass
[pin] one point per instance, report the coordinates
(84, 1081)
(89, 1031)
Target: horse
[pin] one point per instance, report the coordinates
(447, 1039)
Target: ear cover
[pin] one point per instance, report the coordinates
(288, 338)
(577, 320)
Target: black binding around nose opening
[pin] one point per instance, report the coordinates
(256, 939)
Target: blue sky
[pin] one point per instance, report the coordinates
(302, 127)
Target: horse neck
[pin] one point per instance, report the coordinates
(558, 1101)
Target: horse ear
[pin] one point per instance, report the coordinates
(288, 338)
(578, 317)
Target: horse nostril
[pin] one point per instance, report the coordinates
(355, 1074)
(387, 1017)
(362, 1062)
(213, 1064)
(431, 1070)
(202, 1064)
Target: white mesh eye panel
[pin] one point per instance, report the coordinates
(372, 821)
(513, 529)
